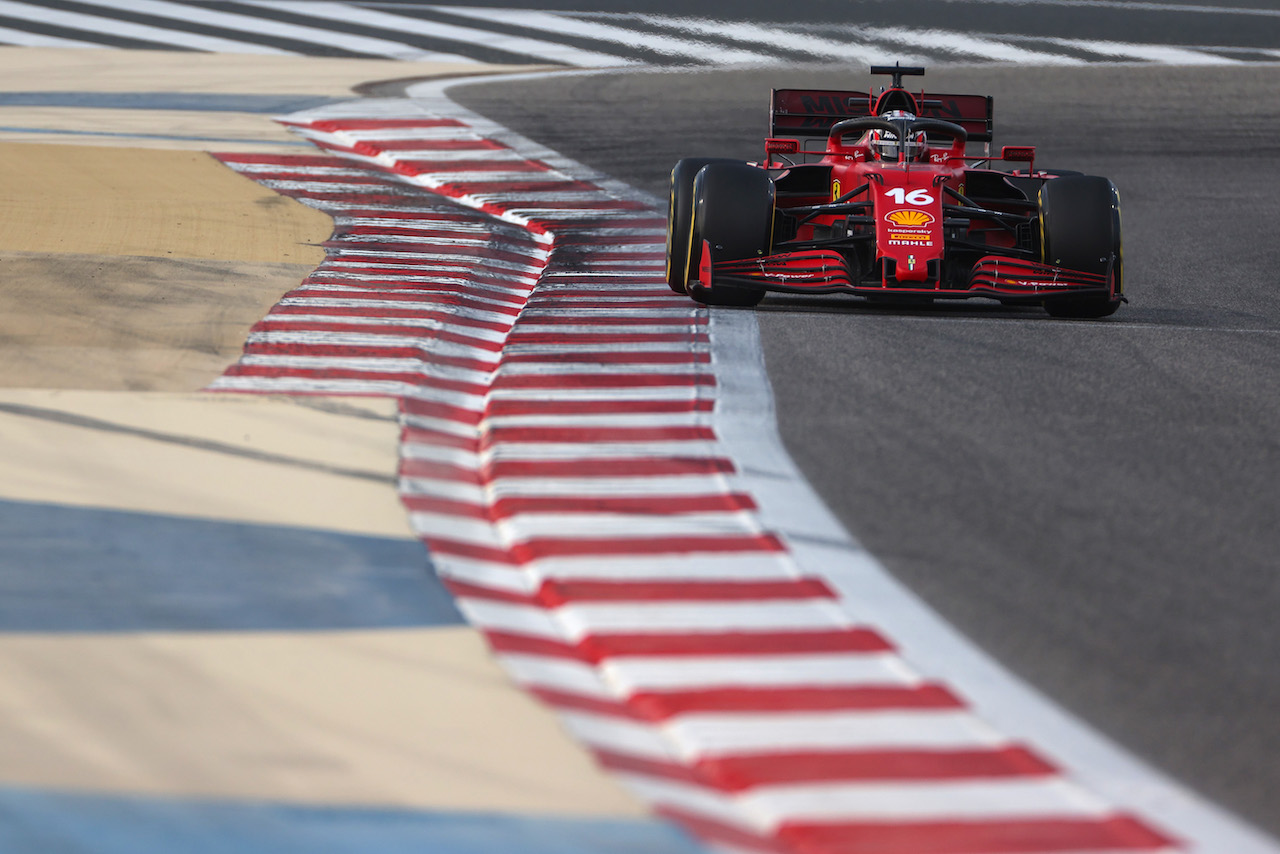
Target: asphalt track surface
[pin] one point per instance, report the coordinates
(1094, 503)
(604, 33)
(1238, 23)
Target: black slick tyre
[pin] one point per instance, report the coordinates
(732, 214)
(680, 218)
(1080, 230)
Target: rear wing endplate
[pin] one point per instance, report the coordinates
(808, 114)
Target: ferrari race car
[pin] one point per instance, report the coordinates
(877, 195)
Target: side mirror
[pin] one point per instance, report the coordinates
(775, 145)
(1019, 154)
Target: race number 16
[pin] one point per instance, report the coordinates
(915, 197)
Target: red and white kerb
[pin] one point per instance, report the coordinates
(560, 461)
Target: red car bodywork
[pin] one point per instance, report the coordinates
(928, 221)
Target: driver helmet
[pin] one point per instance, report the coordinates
(885, 144)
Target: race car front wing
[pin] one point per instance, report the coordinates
(825, 271)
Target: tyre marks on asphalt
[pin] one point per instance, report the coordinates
(598, 39)
(561, 461)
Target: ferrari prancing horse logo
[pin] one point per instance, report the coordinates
(835, 189)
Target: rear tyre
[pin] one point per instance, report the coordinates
(733, 214)
(1080, 230)
(680, 218)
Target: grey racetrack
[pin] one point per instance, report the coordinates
(1095, 503)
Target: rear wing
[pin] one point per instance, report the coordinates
(807, 115)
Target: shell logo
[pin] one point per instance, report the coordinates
(909, 218)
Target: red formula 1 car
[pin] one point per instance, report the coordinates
(878, 196)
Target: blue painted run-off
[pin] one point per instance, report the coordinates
(192, 101)
(70, 569)
(41, 822)
(168, 136)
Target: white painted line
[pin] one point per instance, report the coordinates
(1130, 5)
(526, 578)
(709, 736)
(447, 177)
(620, 736)
(296, 385)
(566, 369)
(25, 39)
(429, 156)
(604, 396)
(585, 487)
(517, 529)
(305, 320)
(990, 47)
(264, 170)
(346, 137)
(728, 734)
(417, 237)
(1164, 54)
(341, 258)
(573, 347)
(560, 674)
(286, 184)
(565, 452)
(442, 222)
(587, 328)
(128, 29)
(783, 38)
(679, 617)
(533, 48)
(369, 364)
(496, 616)
(699, 51)
(349, 276)
(768, 807)
(780, 671)
(266, 26)
(580, 620)
(398, 305)
(356, 339)
(570, 215)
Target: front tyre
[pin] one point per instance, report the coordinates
(680, 218)
(733, 215)
(1080, 230)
